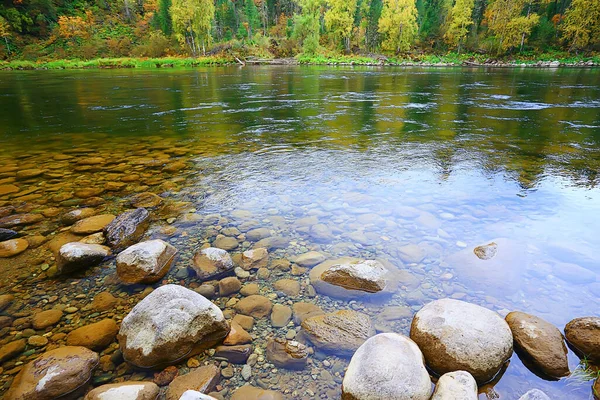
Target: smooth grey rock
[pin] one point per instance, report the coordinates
(387, 366)
(145, 262)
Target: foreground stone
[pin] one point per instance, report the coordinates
(129, 390)
(541, 342)
(341, 332)
(248, 392)
(212, 263)
(287, 353)
(534, 394)
(145, 262)
(76, 255)
(12, 349)
(455, 385)
(203, 379)
(170, 323)
(348, 278)
(95, 336)
(127, 228)
(195, 395)
(584, 335)
(12, 247)
(53, 374)
(387, 366)
(455, 335)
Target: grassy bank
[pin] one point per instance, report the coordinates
(426, 59)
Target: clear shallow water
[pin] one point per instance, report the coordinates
(445, 159)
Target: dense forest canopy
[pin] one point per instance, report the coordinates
(51, 29)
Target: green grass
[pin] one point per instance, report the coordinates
(167, 62)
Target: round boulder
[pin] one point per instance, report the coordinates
(145, 262)
(455, 335)
(212, 262)
(455, 385)
(584, 335)
(387, 366)
(53, 374)
(76, 255)
(170, 323)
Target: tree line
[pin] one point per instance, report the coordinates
(46, 29)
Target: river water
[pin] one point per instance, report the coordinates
(416, 166)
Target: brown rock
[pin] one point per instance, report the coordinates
(229, 285)
(248, 392)
(256, 306)
(146, 200)
(584, 335)
(12, 349)
(36, 241)
(20, 220)
(234, 354)
(280, 316)
(145, 262)
(94, 336)
(13, 247)
(78, 214)
(203, 379)
(29, 173)
(237, 335)
(53, 374)
(127, 228)
(128, 390)
(166, 376)
(37, 341)
(341, 332)
(103, 301)
(75, 255)
(92, 224)
(47, 318)
(244, 321)
(289, 287)
(8, 189)
(486, 251)
(212, 263)
(540, 342)
(287, 353)
(226, 243)
(255, 259)
(86, 193)
(249, 289)
(303, 311)
(6, 300)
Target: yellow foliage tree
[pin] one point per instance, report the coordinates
(72, 27)
(505, 20)
(5, 32)
(581, 25)
(460, 20)
(192, 21)
(398, 24)
(339, 19)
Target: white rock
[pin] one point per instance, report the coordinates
(387, 366)
(76, 255)
(167, 325)
(455, 335)
(534, 394)
(145, 262)
(194, 395)
(456, 385)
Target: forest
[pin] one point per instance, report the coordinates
(87, 29)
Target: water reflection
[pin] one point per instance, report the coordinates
(379, 159)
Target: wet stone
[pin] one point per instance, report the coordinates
(92, 224)
(127, 228)
(13, 247)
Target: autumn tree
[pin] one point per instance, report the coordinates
(5, 32)
(72, 27)
(398, 24)
(339, 20)
(506, 21)
(192, 21)
(308, 24)
(460, 20)
(581, 24)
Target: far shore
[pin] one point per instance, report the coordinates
(380, 61)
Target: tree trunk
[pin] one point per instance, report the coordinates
(7, 46)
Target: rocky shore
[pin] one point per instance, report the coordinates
(118, 291)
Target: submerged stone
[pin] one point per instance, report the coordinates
(127, 228)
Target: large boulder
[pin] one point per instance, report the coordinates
(128, 390)
(76, 255)
(53, 374)
(540, 342)
(348, 278)
(455, 335)
(455, 385)
(212, 263)
(584, 335)
(145, 262)
(387, 366)
(169, 324)
(127, 228)
(497, 266)
(340, 332)
(203, 379)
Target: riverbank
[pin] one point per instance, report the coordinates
(449, 60)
